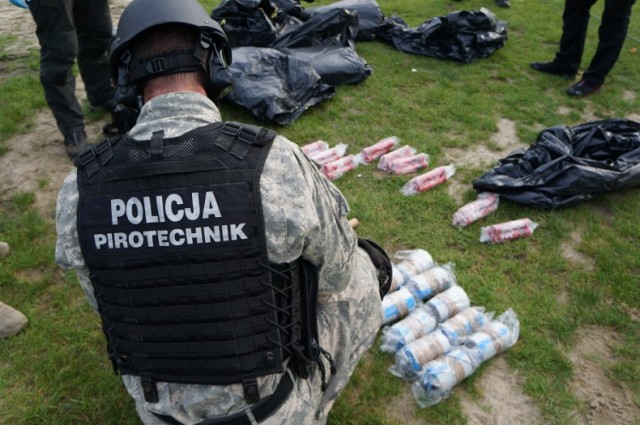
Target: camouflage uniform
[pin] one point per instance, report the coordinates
(305, 215)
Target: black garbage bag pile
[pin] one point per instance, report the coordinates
(569, 165)
(462, 36)
(282, 65)
(370, 17)
(275, 86)
(324, 39)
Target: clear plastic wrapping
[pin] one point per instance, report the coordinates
(371, 153)
(509, 230)
(315, 147)
(463, 324)
(438, 377)
(448, 303)
(428, 180)
(336, 169)
(409, 164)
(396, 305)
(410, 263)
(417, 324)
(485, 204)
(388, 158)
(411, 358)
(433, 281)
(493, 339)
(324, 156)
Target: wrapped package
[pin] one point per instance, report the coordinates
(411, 358)
(315, 147)
(463, 324)
(336, 169)
(371, 153)
(433, 281)
(388, 158)
(438, 377)
(485, 204)
(411, 262)
(396, 305)
(409, 164)
(448, 303)
(417, 324)
(494, 338)
(428, 180)
(328, 155)
(507, 231)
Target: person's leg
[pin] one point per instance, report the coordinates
(575, 21)
(612, 33)
(94, 28)
(58, 49)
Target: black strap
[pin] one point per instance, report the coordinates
(261, 410)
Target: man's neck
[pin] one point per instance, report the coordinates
(160, 86)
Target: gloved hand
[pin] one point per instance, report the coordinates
(122, 118)
(381, 261)
(20, 3)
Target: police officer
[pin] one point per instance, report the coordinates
(230, 285)
(68, 30)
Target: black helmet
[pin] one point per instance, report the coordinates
(141, 15)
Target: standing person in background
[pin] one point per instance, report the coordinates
(68, 30)
(611, 36)
(249, 299)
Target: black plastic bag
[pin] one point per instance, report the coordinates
(274, 86)
(569, 165)
(462, 36)
(336, 27)
(370, 17)
(336, 65)
(246, 22)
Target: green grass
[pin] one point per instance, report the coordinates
(57, 372)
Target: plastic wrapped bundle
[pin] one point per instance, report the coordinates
(328, 155)
(336, 169)
(485, 204)
(409, 164)
(396, 305)
(315, 147)
(463, 324)
(411, 358)
(438, 377)
(428, 180)
(498, 336)
(433, 281)
(417, 324)
(412, 262)
(448, 303)
(388, 158)
(371, 153)
(507, 231)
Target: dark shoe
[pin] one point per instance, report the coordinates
(75, 142)
(503, 3)
(582, 88)
(552, 68)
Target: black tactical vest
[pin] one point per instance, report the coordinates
(172, 232)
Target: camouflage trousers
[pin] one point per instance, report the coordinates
(348, 323)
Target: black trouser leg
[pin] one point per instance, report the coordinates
(93, 26)
(58, 49)
(612, 33)
(575, 21)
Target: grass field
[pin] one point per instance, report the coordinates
(56, 371)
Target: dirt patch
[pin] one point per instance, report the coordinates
(604, 401)
(563, 110)
(505, 141)
(629, 95)
(403, 406)
(571, 253)
(502, 401)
